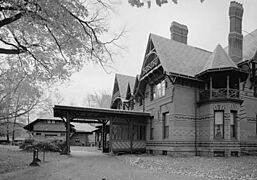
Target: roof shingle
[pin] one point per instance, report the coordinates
(179, 58)
(123, 81)
(218, 59)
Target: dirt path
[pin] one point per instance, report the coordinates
(89, 165)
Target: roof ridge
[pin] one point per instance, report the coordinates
(201, 49)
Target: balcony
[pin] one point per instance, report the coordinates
(219, 94)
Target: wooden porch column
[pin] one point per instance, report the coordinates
(67, 135)
(131, 135)
(110, 135)
(210, 87)
(228, 95)
(103, 137)
(239, 87)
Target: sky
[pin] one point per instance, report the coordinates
(208, 25)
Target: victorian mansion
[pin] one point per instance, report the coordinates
(201, 102)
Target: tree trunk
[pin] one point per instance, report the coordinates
(13, 129)
(7, 130)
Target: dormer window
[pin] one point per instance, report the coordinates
(158, 90)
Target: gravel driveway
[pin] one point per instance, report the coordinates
(87, 164)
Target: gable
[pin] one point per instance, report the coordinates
(116, 91)
(151, 59)
(179, 58)
(128, 94)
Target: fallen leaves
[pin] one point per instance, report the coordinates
(241, 168)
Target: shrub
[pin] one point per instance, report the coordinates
(47, 145)
(27, 142)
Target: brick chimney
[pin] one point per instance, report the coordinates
(235, 38)
(178, 32)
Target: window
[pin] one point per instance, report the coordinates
(50, 135)
(256, 124)
(77, 140)
(218, 124)
(255, 91)
(62, 134)
(165, 125)
(38, 134)
(142, 133)
(151, 129)
(233, 124)
(158, 90)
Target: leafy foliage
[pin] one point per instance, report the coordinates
(46, 145)
(52, 39)
(44, 42)
(19, 91)
(140, 3)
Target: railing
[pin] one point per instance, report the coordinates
(220, 93)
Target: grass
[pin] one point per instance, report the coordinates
(13, 159)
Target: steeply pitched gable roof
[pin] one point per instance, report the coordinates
(123, 81)
(179, 58)
(218, 59)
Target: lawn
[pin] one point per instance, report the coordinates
(12, 158)
(242, 168)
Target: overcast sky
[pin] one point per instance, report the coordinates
(208, 25)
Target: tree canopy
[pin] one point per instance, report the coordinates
(51, 39)
(43, 42)
(140, 3)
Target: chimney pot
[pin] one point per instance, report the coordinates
(178, 32)
(235, 38)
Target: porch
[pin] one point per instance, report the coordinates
(134, 122)
(220, 86)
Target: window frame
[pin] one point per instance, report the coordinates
(256, 124)
(165, 118)
(158, 90)
(222, 125)
(233, 117)
(151, 128)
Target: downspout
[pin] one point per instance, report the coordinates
(196, 116)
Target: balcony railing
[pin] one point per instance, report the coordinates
(221, 93)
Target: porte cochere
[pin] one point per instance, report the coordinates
(127, 129)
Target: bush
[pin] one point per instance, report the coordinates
(27, 142)
(47, 145)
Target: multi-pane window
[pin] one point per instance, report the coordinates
(151, 129)
(233, 115)
(165, 125)
(158, 90)
(219, 124)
